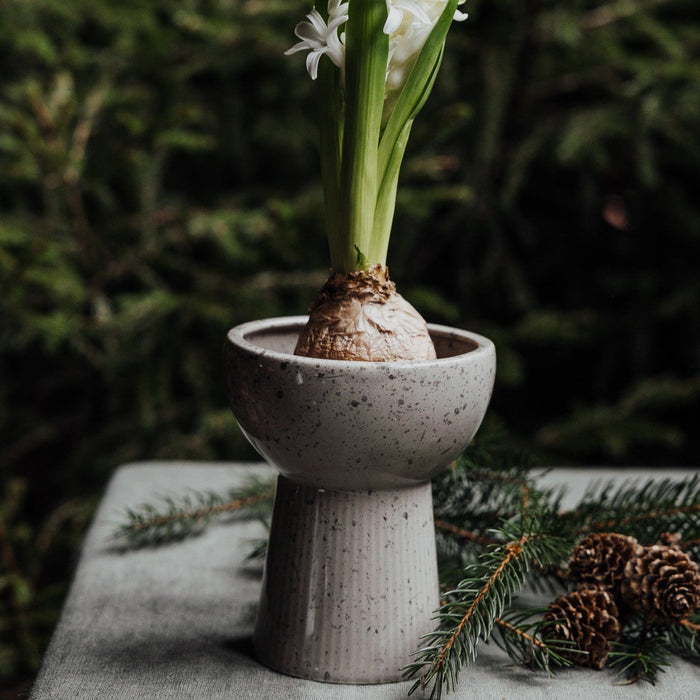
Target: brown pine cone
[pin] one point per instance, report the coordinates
(670, 539)
(588, 617)
(600, 559)
(662, 583)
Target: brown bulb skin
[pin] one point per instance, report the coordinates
(359, 316)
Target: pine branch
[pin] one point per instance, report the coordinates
(692, 626)
(483, 487)
(494, 530)
(664, 516)
(188, 515)
(462, 533)
(469, 611)
(683, 637)
(643, 510)
(642, 654)
(486, 482)
(526, 642)
(259, 550)
(614, 12)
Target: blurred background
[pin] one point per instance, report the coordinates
(159, 183)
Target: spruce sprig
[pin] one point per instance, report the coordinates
(642, 509)
(483, 487)
(486, 482)
(524, 636)
(645, 650)
(174, 519)
(468, 612)
(642, 654)
(684, 637)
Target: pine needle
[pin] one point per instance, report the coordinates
(469, 611)
(683, 637)
(174, 519)
(526, 642)
(640, 657)
(644, 510)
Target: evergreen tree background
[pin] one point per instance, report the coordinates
(159, 183)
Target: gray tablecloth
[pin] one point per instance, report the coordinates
(175, 622)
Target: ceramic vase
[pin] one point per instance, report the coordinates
(350, 581)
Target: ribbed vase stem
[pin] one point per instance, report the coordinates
(350, 582)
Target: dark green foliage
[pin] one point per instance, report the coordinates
(564, 223)
(34, 562)
(159, 183)
(151, 196)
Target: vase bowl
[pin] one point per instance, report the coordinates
(356, 425)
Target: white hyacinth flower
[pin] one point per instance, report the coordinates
(319, 37)
(408, 24)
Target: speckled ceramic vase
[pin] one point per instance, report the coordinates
(350, 581)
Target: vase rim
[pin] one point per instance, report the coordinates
(240, 335)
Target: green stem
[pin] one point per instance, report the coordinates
(367, 49)
(361, 157)
(331, 143)
(386, 197)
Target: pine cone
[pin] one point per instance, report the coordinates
(662, 583)
(588, 617)
(670, 539)
(600, 559)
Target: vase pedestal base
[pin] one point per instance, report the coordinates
(350, 582)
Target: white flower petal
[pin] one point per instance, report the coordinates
(301, 46)
(319, 24)
(312, 61)
(336, 8)
(332, 29)
(413, 7)
(393, 20)
(319, 37)
(307, 34)
(459, 15)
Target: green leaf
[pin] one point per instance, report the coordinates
(361, 263)
(398, 127)
(419, 82)
(331, 129)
